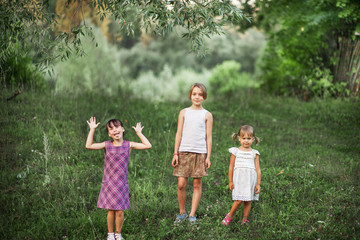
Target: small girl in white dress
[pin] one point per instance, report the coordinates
(244, 173)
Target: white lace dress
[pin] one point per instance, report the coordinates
(244, 176)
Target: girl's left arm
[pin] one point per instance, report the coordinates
(209, 125)
(145, 144)
(258, 172)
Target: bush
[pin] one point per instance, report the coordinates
(227, 79)
(17, 70)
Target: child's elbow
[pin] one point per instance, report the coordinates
(88, 146)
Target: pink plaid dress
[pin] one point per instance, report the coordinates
(114, 193)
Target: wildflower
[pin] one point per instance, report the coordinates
(311, 165)
(330, 215)
(146, 219)
(216, 184)
(302, 29)
(291, 231)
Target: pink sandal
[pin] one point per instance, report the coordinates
(226, 221)
(244, 222)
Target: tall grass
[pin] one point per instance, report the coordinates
(50, 182)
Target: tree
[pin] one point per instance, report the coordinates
(31, 25)
(313, 45)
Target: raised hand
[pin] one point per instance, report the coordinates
(138, 127)
(92, 123)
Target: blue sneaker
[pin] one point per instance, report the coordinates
(192, 220)
(180, 218)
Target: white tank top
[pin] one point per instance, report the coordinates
(194, 131)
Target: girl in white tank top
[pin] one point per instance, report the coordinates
(192, 150)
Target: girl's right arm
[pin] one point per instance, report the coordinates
(89, 141)
(231, 171)
(175, 160)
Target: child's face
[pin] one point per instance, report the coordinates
(115, 132)
(246, 140)
(197, 96)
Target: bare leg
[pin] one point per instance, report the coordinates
(247, 208)
(110, 220)
(182, 182)
(119, 220)
(234, 208)
(196, 196)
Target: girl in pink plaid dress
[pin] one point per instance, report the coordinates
(114, 193)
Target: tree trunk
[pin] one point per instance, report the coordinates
(348, 67)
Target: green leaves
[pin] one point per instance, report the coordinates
(33, 24)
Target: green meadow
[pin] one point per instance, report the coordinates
(50, 182)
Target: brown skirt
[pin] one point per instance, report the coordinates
(191, 165)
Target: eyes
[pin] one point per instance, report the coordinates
(248, 139)
(114, 128)
(197, 94)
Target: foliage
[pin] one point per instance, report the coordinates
(167, 86)
(306, 37)
(243, 48)
(17, 70)
(173, 51)
(226, 78)
(100, 71)
(163, 69)
(50, 182)
(200, 19)
(27, 25)
(324, 86)
(31, 23)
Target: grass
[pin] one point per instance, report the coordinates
(50, 182)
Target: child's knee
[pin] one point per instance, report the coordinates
(197, 185)
(238, 202)
(181, 187)
(119, 213)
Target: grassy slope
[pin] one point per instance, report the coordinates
(50, 182)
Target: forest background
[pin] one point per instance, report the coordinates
(271, 64)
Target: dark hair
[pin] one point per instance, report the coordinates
(201, 86)
(114, 122)
(246, 129)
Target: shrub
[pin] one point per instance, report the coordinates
(226, 78)
(17, 70)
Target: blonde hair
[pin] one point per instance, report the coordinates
(201, 86)
(246, 129)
